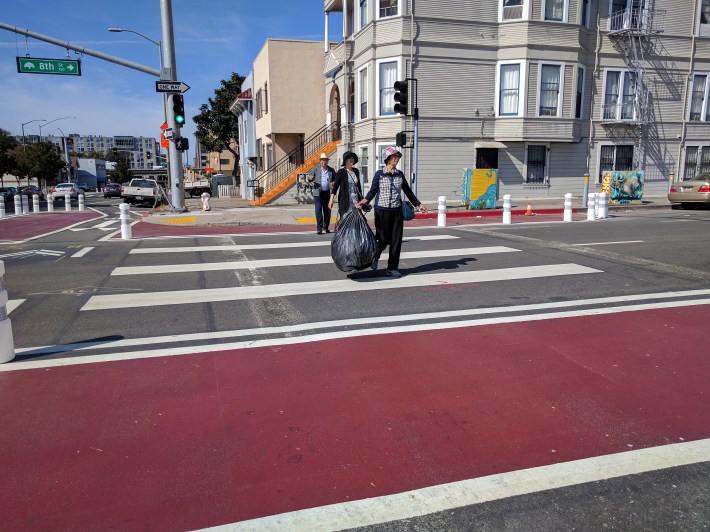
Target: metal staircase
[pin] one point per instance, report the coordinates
(273, 182)
(630, 31)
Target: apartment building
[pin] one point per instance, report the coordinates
(143, 152)
(544, 91)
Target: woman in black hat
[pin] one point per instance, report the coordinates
(346, 185)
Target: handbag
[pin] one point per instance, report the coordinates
(407, 211)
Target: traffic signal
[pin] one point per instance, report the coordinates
(147, 155)
(401, 97)
(401, 139)
(178, 109)
(182, 144)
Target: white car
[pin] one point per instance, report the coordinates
(61, 189)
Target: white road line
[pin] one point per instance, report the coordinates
(50, 252)
(336, 335)
(289, 262)
(238, 247)
(445, 497)
(81, 252)
(102, 215)
(211, 295)
(104, 224)
(609, 243)
(13, 304)
(355, 322)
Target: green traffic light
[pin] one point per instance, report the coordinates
(180, 119)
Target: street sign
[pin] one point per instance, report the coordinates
(171, 86)
(37, 65)
(168, 133)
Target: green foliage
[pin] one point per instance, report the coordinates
(121, 172)
(39, 160)
(217, 126)
(7, 160)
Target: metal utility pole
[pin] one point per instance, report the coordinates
(170, 74)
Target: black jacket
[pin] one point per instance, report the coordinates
(340, 188)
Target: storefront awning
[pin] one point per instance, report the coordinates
(488, 144)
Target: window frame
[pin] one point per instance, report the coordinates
(364, 162)
(616, 147)
(379, 10)
(620, 96)
(705, 110)
(585, 16)
(546, 168)
(522, 88)
(698, 25)
(525, 12)
(360, 23)
(565, 12)
(360, 94)
(378, 88)
(380, 148)
(577, 90)
(560, 90)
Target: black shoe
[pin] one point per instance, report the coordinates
(327, 230)
(319, 232)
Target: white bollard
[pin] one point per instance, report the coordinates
(50, 202)
(603, 202)
(18, 204)
(7, 344)
(206, 202)
(35, 203)
(567, 217)
(507, 216)
(126, 231)
(25, 204)
(591, 206)
(81, 202)
(2, 207)
(67, 202)
(441, 218)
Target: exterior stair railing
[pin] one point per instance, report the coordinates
(282, 175)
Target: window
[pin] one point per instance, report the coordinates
(259, 155)
(695, 165)
(699, 109)
(625, 14)
(224, 162)
(269, 155)
(513, 9)
(704, 21)
(550, 90)
(364, 162)
(584, 18)
(258, 104)
(555, 10)
(509, 88)
(580, 92)
(388, 72)
(266, 98)
(380, 154)
(619, 158)
(362, 93)
(537, 162)
(363, 14)
(389, 8)
(619, 96)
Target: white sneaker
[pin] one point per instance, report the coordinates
(393, 273)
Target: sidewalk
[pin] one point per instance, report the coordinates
(238, 212)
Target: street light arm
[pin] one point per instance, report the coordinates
(121, 30)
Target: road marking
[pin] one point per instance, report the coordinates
(13, 304)
(178, 221)
(610, 243)
(103, 225)
(427, 316)
(101, 215)
(28, 253)
(238, 247)
(443, 497)
(289, 262)
(81, 252)
(49, 252)
(211, 295)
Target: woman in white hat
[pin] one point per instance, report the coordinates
(322, 177)
(387, 187)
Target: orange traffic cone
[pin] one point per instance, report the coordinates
(529, 211)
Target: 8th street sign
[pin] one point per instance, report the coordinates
(37, 65)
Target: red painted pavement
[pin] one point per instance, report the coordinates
(32, 225)
(193, 441)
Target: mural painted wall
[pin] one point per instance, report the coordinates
(479, 188)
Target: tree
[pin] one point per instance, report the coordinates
(121, 172)
(217, 126)
(7, 161)
(39, 160)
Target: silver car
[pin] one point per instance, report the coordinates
(61, 189)
(695, 191)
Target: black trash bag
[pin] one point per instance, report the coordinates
(354, 246)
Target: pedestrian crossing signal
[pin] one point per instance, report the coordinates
(178, 109)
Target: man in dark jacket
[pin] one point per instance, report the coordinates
(322, 176)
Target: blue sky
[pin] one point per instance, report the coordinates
(213, 38)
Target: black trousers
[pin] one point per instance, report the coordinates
(322, 211)
(389, 228)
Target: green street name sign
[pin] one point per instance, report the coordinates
(38, 65)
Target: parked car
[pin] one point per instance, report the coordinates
(31, 191)
(112, 190)
(694, 191)
(85, 188)
(61, 189)
(8, 193)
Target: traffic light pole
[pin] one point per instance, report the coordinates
(170, 74)
(415, 151)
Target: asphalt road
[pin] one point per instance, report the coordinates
(593, 289)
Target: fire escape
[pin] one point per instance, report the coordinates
(630, 108)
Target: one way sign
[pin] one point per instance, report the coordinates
(171, 86)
